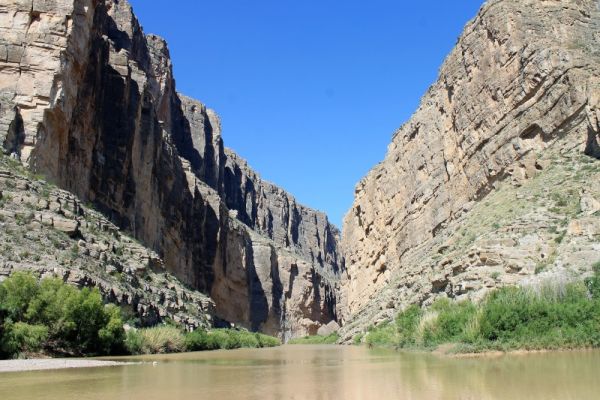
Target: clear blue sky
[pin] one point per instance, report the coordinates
(309, 92)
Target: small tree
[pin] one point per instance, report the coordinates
(16, 293)
(57, 316)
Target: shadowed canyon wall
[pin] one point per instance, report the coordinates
(88, 100)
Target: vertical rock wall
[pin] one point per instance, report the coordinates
(522, 75)
(90, 101)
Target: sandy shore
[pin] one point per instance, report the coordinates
(52, 363)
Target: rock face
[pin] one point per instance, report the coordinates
(518, 95)
(49, 232)
(89, 101)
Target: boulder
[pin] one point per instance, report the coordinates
(68, 226)
(328, 329)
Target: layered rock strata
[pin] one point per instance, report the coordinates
(523, 79)
(89, 100)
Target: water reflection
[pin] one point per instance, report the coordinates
(319, 372)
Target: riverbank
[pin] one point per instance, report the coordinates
(458, 350)
(316, 339)
(455, 351)
(53, 363)
(552, 316)
(51, 318)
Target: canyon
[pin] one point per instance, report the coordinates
(488, 184)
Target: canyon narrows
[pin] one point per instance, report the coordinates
(489, 184)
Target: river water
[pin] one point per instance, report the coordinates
(319, 372)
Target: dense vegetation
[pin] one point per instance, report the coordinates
(317, 339)
(550, 316)
(170, 339)
(51, 317)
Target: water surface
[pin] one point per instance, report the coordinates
(319, 372)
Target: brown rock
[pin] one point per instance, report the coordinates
(68, 226)
(328, 329)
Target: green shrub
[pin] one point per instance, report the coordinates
(383, 335)
(161, 339)
(21, 337)
(564, 317)
(75, 321)
(407, 323)
(198, 340)
(244, 339)
(316, 339)
(267, 341)
(134, 342)
(557, 315)
(16, 293)
(219, 339)
(78, 319)
(593, 283)
(450, 322)
(405, 331)
(112, 335)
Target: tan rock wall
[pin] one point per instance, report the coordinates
(522, 75)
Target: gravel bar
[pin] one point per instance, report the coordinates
(53, 363)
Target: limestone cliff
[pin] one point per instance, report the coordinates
(89, 101)
(486, 184)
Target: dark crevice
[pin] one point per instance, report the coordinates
(15, 138)
(293, 275)
(277, 298)
(592, 148)
(34, 16)
(532, 132)
(414, 133)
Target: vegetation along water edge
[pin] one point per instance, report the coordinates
(548, 316)
(47, 317)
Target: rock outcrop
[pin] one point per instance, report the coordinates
(49, 232)
(89, 101)
(516, 100)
